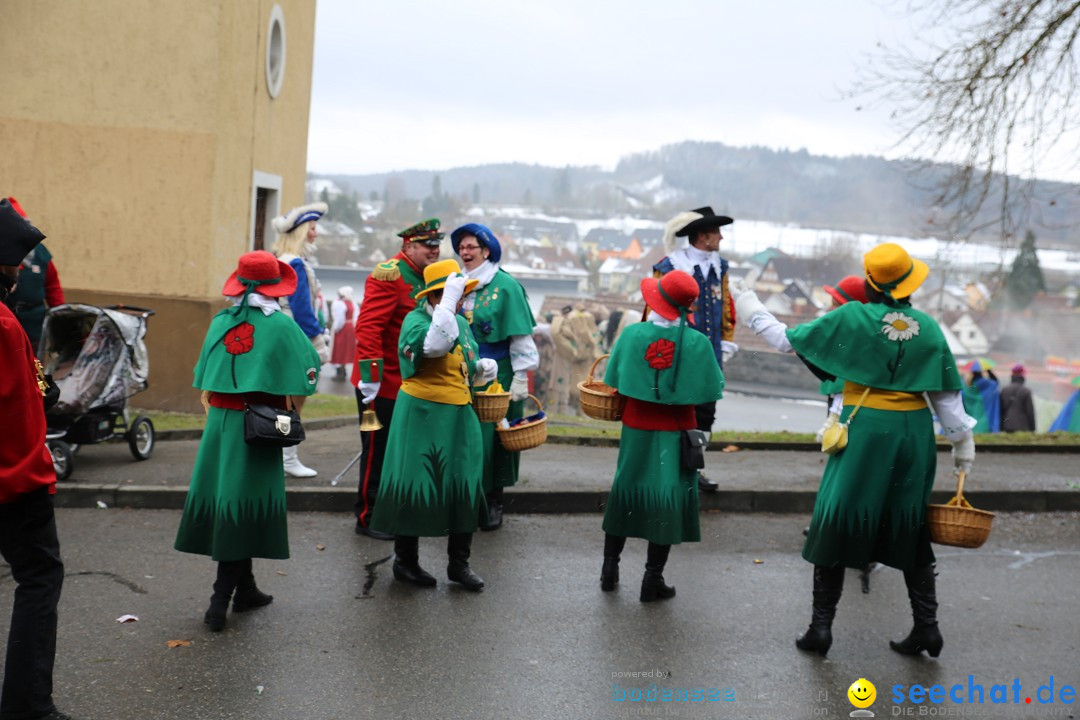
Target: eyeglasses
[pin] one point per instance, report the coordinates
(468, 247)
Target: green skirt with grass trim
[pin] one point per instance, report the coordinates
(501, 465)
(235, 507)
(652, 496)
(871, 506)
(433, 471)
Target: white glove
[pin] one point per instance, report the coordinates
(747, 305)
(519, 386)
(322, 348)
(829, 422)
(486, 370)
(452, 292)
(727, 350)
(368, 391)
(963, 453)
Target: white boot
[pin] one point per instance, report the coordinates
(293, 466)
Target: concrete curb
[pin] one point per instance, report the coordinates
(333, 499)
(613, 442)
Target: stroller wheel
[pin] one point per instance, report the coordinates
(140, 437)
(63, 460)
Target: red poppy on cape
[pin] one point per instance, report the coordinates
(660, 354)
(240, 339)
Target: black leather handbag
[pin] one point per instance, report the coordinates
(266, 426)
(693, 449)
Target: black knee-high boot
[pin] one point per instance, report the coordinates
(228, 575)
(495, 510)
(459, 547)
(828, 586)
(652, 585)
(922, 592)
(609, 573)
(248, 595)
(407, 562)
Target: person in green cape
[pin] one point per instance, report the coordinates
(432, 473)
(871, 505)
(235, 508)
(502, 324)
(664, 368)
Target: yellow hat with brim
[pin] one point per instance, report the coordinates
(436, 274)
(890, 270)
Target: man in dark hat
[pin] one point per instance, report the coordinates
(389, 295)
(714, 312)
(27, 481)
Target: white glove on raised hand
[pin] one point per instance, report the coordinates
(368, 391)
(486, 370)
(747, 305)
(963, 453)
(519, 386)
(452, 292)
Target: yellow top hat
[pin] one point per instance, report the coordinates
(890, 270)
(435, 276)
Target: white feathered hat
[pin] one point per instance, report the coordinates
(298, 216)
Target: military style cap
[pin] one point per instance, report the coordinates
(425, 231)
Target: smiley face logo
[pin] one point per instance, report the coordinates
(862, 693)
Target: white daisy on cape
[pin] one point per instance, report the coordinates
(899, 327)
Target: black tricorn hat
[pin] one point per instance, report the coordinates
(708, 221)
(17, 236)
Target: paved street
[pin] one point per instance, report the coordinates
(342, 640)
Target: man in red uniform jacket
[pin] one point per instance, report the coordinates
(27, 526)
(389, 295)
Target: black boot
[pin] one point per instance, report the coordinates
(248, 596)
(705, 484)
(458, 547)
(609, 574)
(495, 510)
(228, 575)
(652, 585)
(922, 591)
(407, 562)
(828, 586)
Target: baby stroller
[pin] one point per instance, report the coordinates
(97, 357)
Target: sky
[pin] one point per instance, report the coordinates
(414, 84)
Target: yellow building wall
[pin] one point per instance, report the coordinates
(130, 131)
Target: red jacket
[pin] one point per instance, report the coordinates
(389, 295)
(25, 462)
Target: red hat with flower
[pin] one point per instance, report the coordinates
(671, 294)
(850, 289)
(261, 272)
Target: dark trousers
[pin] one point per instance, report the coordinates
(706, 415)
(373, 446)
(28, 543)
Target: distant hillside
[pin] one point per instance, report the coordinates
(867, 194)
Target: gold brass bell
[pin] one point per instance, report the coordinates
(369, 421)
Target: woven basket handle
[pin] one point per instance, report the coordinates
(958, 499)
(539, 407)
(595, 363)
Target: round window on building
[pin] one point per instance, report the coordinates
(275, 52)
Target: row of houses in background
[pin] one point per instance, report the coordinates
(609, 263)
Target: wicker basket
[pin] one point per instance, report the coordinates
(491, 407)
(600, 401)
(958, 524)
(526, 435)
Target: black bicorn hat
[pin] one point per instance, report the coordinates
(708, 221)
(17, 236)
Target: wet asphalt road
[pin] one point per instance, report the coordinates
(342, 640)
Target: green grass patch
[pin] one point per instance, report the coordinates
(317, 406)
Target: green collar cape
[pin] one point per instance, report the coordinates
(890, 348)
(501, 310)
(641, 365)
(253, 352)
